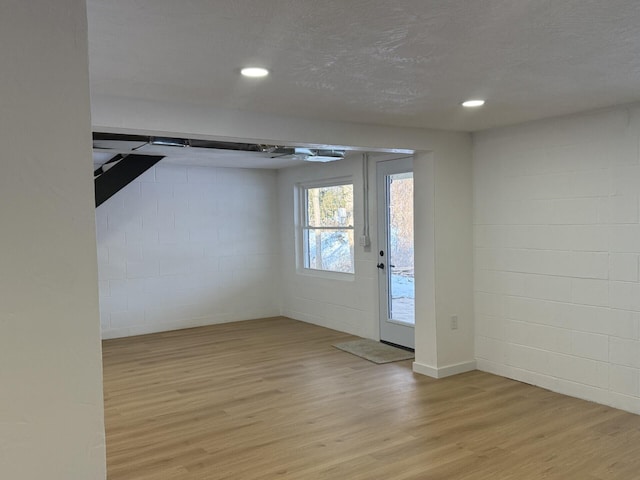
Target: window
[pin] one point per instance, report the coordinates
(327, 226)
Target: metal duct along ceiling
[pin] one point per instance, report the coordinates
(307, 154)
(122, 144)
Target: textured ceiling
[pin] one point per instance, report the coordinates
(393, 62)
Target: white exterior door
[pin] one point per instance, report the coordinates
(396, 251)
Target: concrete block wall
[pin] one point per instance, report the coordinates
(184, 246)
(557, 246)
(348, 303)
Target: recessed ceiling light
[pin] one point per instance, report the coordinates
(254, 72)
(473, 103)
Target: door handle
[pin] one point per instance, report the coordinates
(380, 266)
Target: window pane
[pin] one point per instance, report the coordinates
(330, 250)
(330, 206)
(400, 255)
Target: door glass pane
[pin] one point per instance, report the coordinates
(400, 256)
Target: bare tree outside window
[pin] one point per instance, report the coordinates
(328, 228)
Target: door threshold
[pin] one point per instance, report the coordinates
(408, 349)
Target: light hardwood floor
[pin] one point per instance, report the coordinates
(272, 399)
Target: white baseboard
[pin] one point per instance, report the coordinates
(447, 371)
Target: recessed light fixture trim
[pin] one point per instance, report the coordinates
(473, 103)
(254, 72)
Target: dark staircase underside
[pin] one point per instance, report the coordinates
(118, 172)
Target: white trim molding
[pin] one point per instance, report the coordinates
(446, 371)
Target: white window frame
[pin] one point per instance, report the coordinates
(303, 228)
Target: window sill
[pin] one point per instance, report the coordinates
(325, 274)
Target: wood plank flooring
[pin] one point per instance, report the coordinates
(271, 399)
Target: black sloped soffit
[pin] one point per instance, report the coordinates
(122, 174)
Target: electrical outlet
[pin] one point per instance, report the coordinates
(364, 241)
(454, 322)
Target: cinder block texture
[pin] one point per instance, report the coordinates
(557, 242)
(186, 246)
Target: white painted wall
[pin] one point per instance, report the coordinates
(454, 255)
(348, 303)
(51, 411)
(557, 242)
(184, 246)
(444, 259)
